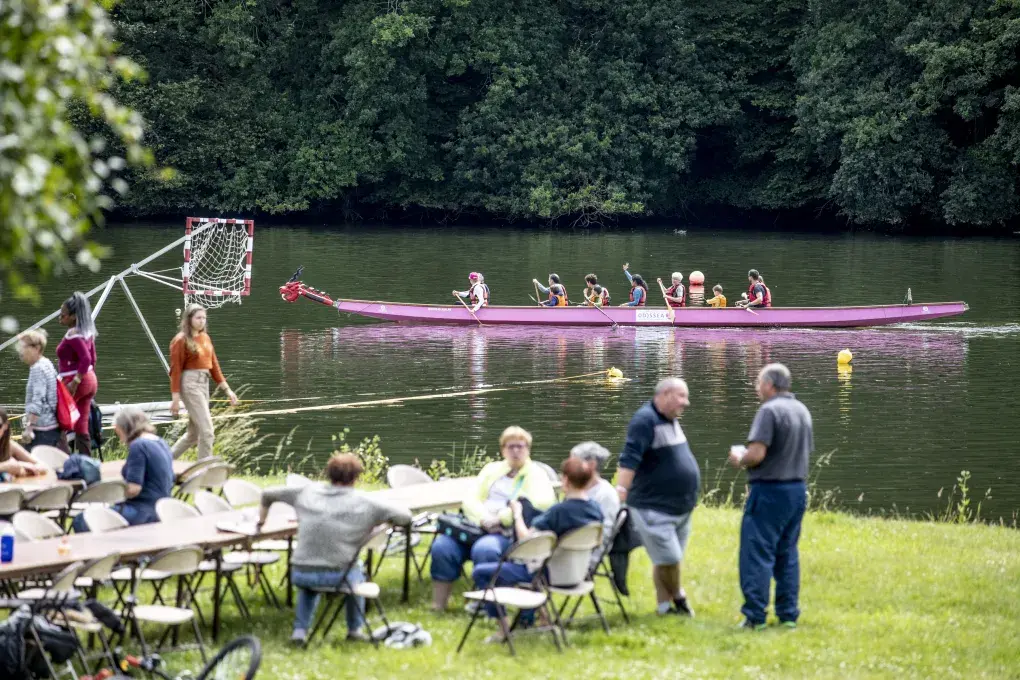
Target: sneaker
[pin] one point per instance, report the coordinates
(299, 636)
(682, 607)
(472, 606)
(358, 636)
(747, 624)
(789, 625)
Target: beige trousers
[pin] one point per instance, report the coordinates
(195, 395)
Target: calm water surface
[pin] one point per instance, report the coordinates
(922, 403)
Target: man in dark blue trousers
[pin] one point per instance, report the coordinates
(776, 458)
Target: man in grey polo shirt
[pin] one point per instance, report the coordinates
(659, 481)
(776, 458)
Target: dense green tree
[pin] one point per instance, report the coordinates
(886, 112)
(56, 59)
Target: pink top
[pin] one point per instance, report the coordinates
(75, 354)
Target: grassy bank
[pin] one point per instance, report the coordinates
(880, 598)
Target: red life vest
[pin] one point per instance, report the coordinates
(485, 295)
(767, 301)
(605, 296)
(678, 291)
(644, 297)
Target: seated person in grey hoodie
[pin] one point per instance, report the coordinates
(334, 520)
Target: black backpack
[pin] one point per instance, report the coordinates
(96, 430)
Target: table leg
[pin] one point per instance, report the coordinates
(216, 596)
(290, 584)
(406, 595)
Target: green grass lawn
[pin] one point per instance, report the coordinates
(880, 598)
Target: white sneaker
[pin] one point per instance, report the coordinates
(299, 636)
(472, 606)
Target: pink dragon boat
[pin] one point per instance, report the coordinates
(685, 317)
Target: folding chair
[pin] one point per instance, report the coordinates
(197, 467)
(53, 500)
(51, 603)
(180, 562)
(102, 520)
(255, 560)
(240, 493)
(535, 549)
(106, 492)
(336, 598)
(600, 567)
(553, 476)
(92, 575)
(32, 526)
(569, 571)
(210, 478)
(50, 456)
(398, 476)
(11, 501)
(294, 480)
(170, 509)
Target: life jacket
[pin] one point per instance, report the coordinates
(605, 296)
(558, 300)
(644, 298)
(767, 301)
(677, 291)
(485, 295)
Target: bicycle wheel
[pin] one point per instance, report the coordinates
(238, 660)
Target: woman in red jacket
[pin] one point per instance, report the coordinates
(76, 362)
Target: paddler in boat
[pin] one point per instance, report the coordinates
(594, 294)
(638, 289)
(477, 292)
(555, 290)
(676, 295)
(758, 294)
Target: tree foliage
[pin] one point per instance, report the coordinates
(57, 66)
(887, 112)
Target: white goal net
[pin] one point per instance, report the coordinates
(217, 260)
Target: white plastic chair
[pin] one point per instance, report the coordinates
(211, 477)
(210, 504)
(536, 549)
(32, 526)
(399, 476)
(11, 501)
(55, 500)
(101, 520)
(240, 493)
(336, 597)
(569, 570)
(180, 562)
(50, 456)
(172, 509)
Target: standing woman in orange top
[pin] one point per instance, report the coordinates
(192, 362)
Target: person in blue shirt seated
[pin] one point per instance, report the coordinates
(148, 470)
(573, 512)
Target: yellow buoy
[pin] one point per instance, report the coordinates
(614, 374)
(844, 357)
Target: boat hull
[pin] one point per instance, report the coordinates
(688, 317)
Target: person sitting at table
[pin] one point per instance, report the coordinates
(599, 490)
(15, 461)
(515, 477)
(573, 512)
(334, 521)
(148, 469)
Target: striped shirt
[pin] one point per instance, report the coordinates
(41, 394)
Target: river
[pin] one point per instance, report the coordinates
(922, 403)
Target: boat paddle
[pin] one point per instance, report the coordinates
(603, 312)
(665, 298)
(470, 311)
(744, 295)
